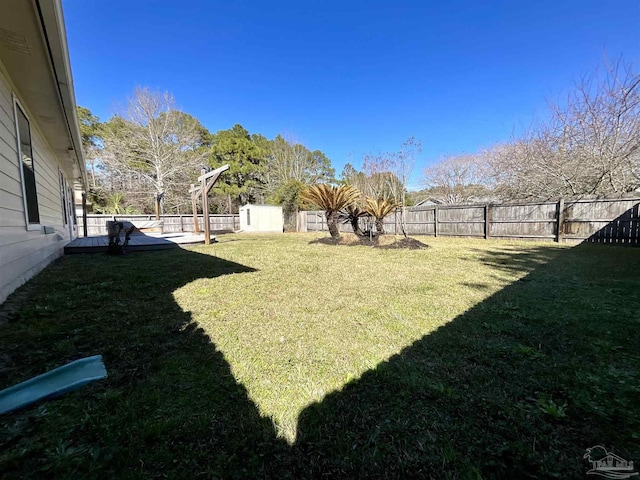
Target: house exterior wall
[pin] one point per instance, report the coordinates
(24, 251)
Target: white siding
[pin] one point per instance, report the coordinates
(23, 253)
(262, 218)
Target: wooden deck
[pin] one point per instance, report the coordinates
(137, 242)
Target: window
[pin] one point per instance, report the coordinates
(25, 152)
(66, 199)
(248, 217)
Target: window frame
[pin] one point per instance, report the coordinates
(29, 225)
(63, 197)
(71, 205)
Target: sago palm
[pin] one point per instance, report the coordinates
(379, 209)
(351, 214)
(331, 200)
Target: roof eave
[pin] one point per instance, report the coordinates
(55, 34)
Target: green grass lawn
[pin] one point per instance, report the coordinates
(274, 356)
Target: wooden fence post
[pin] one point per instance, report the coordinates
(194, 208)
(487, 221)
(435, 221)
(560, 220)
(301, 223)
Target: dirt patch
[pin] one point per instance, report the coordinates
(410, 243)
(384, 242)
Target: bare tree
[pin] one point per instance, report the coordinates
(455, 179)
(590, 146)
(154, 147)
(378, 179)
(290, 160)
(291, 167)
(403, 164)
(384, 176)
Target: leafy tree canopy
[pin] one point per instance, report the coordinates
(246, 155)
(89, 126)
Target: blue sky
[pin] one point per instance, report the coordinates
(350, 77)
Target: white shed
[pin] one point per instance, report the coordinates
(261, 218)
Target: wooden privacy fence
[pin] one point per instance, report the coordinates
(96, 224)
(601, 221)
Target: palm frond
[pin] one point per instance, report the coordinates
(330, 198)
(380, 207)
(351, 212)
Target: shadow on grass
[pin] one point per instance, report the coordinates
(170, 402)
(516, 387)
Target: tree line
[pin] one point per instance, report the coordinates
(148, 154)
